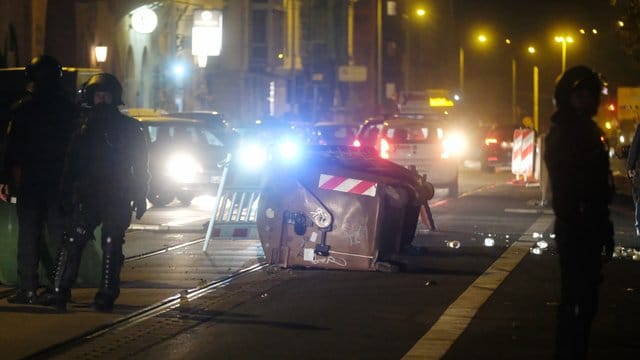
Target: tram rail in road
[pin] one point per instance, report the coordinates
(8, 292)
(145, 313)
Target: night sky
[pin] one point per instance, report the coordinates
(537, 22)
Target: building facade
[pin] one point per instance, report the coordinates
(306, 60)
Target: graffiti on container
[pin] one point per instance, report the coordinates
(330, 260)
(356, 233)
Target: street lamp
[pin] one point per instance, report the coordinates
(481, 38)
(101, 53)
(564, 40)
(410, 19)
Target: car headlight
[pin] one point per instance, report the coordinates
(183, 167)
(454, 145)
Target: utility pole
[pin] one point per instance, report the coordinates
(379, 53)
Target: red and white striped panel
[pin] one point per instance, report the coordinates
(516, 152)
(526, 156)
(348, 185)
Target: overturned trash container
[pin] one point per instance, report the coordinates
(339, 208)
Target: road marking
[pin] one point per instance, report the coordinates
(452, 323)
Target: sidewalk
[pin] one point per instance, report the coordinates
(27, 329)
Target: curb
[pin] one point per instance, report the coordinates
(166, 228)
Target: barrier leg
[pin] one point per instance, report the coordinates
(216, 203)
(427, 217)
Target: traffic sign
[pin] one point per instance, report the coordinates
(352, 73)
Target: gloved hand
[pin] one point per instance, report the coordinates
(140, 207)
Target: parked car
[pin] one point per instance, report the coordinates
(497, 148)
(183, 158)
(213, 118)
(424, 141)
(331, 133)
(215, 121)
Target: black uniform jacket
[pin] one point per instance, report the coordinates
(40, 129)
(108, 158)
(576, 155)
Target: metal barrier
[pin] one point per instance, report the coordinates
(235, 209)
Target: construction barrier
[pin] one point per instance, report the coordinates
(522, 160)
(235, 207)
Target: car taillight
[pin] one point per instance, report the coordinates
(384, 149)
(356, 143)
(489, 141)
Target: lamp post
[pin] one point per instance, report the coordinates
(481, 38)
(379, 53)
(564, 40)
(408, 45)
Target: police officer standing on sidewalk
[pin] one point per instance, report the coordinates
(578, 163)
(41, 126)
(106, 177)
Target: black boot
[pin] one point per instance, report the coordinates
(103, 302)
(23, 296)
(112, 261)
(65, 274)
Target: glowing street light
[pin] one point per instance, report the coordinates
(481, 38)
(421, 12)
(620, 23)
(564, 40)
(531, 50)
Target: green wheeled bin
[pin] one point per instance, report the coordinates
(90, 268)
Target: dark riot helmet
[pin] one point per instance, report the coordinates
(44, 71)
(102, 82)
(576, 78)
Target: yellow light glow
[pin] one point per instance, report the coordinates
(620, 23)
(563, 39)
(594, 31)
(280, 56)
(482, 38)
(421, 12)
(440, 102)
(608, 125)
(582, 31)
(507, 41)
(531, 50)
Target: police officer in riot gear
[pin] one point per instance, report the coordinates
(576, 157)
(41, 126)
(106, 177)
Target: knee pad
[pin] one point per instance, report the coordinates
(78, 236)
